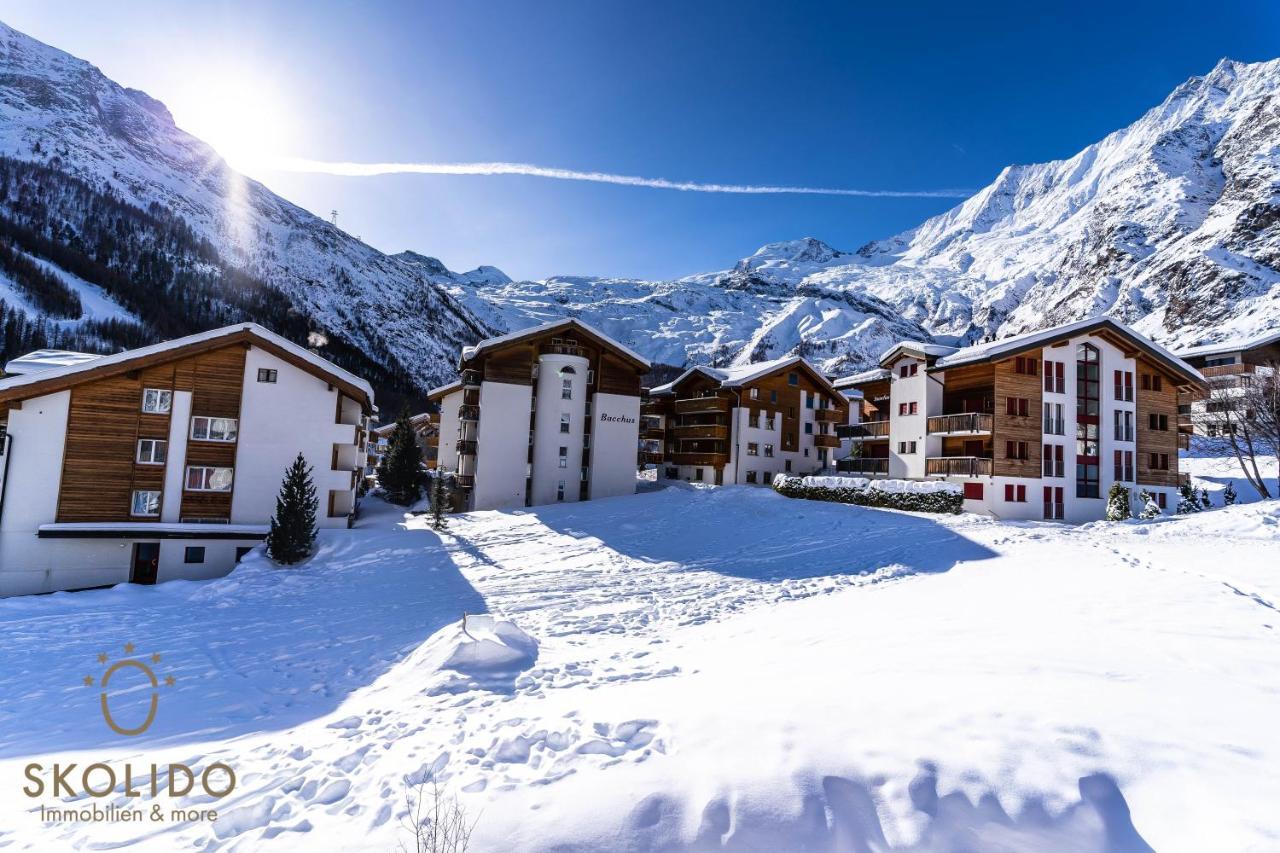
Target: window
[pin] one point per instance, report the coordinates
(213, 429)
(560, 489)
(1124, 386)
(193, 554)
(1123, 465)
(1017, 406)
(564, 457)
(808, 428)
(908, 370)
(697, 474)
(786, 465)
(566, 388)
(753, 449)
(265, 374)
(1088, 383)
(1123, 425)
(973, 491)
(564, 421)
(1025, 365)
(1054, 423)
(1055, 377)
(768, 477)
(206, 478)
(906, 447)
(1054, 463)
(791, 411)
(1152, 382)
(808, 401)
(1053, 507)
(586, 441)
(907, 408)
(773, 396)
(755, 394)
(156, 402)
(768, 450)
(591, 377)
(1162, 500)
(793, 378)
(1158, 422)
(1016, 450)
(1158, 461)
(145, 503)
(751, 476)
(586, 473)
(1015, 494)
(152, 451)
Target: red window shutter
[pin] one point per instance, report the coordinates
(1022, 494)
(1008, 492)
(1048, 378)
(1024, 407)
(1010, 406)
(973, 491)
(1008, 449)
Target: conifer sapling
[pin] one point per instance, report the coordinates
(1229, 495)
(293, 527)
(1118, 503)
(440, 500)
(400, 472)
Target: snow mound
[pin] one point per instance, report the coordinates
(482, 653)
(915, 487)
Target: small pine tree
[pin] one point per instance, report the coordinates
(440, 501)
(293, 527)
(1118, 503)
(400, 472)
(1150, 509)
(1187, 500)
(1204, 499)
(1229, 495)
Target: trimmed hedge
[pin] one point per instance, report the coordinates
(944, 498)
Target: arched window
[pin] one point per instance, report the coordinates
(569, 370)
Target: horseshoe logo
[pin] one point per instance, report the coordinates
(105, 681)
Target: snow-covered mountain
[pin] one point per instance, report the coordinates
(1171, 224)
(119, 144)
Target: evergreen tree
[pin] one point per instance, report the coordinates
(1229, 494)
(1118, 503)
(441, 497)
(1150, 509)
(1204, 499)
(293, 527)
(400, 472)
(1187, 500)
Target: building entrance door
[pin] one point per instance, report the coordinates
(146, 563)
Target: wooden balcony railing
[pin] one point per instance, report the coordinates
(826, 440)
(718, 431)
(469, 413)
(703, 404)
(653, 433)
(827, 416)
(967, 423)
(471, 378)
(958, 466)
(562, 349)
(700, 458)
(464, 481)
(864, 430)
(650, 458)
(1227, 370)
(467, 447)
(864, 465)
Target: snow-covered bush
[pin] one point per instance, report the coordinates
(915, 496)
(1204, 499)
(1229, 495)
(1188, 502)
(1150, 509)
(1118, 503)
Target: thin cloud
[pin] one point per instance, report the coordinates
(363, 170)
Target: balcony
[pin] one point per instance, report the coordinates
(703, 404)
(826, 441)
(464, 481)
(700, 458)
(648, 457)
(1220, 370)
(471, 379)
(827, 416)
(562, 349)
(967, 423)
(867, 430)
(650, 407)
(717, 431)
(863, 466)
(653, 433)
(468, 413)
(957, 466)
(467, 447)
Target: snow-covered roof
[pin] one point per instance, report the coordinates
(414, 421)
(44, 359)
(442, 390)
(876, 374)
(741, 374)
(1008, 346)
(106, 362)
(1232, 345)
(571, 322)
(916, 347)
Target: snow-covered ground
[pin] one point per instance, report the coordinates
(1212, 471)
(692, 669)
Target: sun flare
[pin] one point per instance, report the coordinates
(244, 116)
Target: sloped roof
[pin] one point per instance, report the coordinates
(875, 374)
(1232, 345)
(443, 390)
(917, 348)
(44, 359)
(57, 378)
(469, 353)
(739, 375)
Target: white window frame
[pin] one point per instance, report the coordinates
(133, 503)
(768, 450)
(564, 457)
(186, 480)
(560, 490)
(163, 401)
(566, 388)
(208, 429)
(268, 374)
(565, 420)
(154, 443)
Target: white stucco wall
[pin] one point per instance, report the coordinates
(910, 427)
(547, 438)
(615, 436)
(447, 454)
(175, 453)
(38, 433)
(503, 444)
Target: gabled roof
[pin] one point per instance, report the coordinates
(575, 324)
(875, 374)
(1006, 347)
(739, 375)
(415, 421)
(915, 348)
(1233, 345)
(44, 359)
(59, 378)
(443, 390)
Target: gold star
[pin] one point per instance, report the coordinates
(155, 658)
(102, 658)
(169, 680)
(88, 681)
(128, 648)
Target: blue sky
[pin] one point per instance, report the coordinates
(848, 95)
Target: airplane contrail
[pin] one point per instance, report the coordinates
(294, 164)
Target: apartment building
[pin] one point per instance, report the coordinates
(165, 461)
(746, 424)
(1034, 426)
(542, 415)
(426, 434)
(1226, 366)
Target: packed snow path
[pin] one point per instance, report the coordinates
(695, 669)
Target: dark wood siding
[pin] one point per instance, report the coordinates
(1016, 428)
(1162, 402)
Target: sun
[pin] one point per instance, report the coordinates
(245, 116)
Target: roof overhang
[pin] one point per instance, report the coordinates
(631, 356)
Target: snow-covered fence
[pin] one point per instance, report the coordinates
(913, 495)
